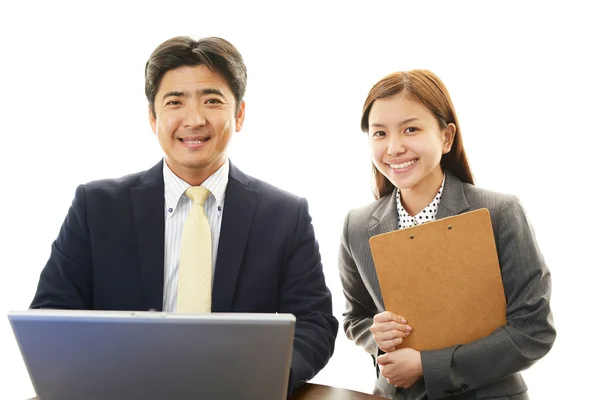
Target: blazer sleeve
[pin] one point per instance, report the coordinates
(66, 280)
(304, 293)
(529, 333)
(360, 308)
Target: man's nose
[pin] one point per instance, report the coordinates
(194, 117)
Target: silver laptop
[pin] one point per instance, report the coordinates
(154, 355)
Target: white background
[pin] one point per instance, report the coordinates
(523, 76)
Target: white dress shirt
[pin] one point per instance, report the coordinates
(177, 207)
(428, 214)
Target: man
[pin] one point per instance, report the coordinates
(129, 244)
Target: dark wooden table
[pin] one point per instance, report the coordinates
(311, 391)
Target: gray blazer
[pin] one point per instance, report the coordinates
(486, 368)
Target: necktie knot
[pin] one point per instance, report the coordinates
(198, 194)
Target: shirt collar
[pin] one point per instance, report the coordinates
(429, 213)
(175, 187)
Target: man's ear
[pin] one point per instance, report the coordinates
(152, 118)
(449, 134)
(239, 119)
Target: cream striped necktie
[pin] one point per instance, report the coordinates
(194, 278)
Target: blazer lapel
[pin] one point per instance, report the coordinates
(385, 216)
(385, 219)
(238, 213)
(149, 214)
(453, 199)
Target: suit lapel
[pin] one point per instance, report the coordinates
(453, 202)
(453, 199)
(148, 209)
(385, 219)
(238, 213)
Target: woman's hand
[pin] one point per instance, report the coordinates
(389, 330)
(401, 367)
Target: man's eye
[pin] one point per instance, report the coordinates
(214, 101)
(173, 103)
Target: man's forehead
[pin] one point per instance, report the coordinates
(198, 80)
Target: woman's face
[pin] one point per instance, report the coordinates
(407, 142)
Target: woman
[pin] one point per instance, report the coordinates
(422, 174)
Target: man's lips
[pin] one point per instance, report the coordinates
(194, 142)
(194, 139)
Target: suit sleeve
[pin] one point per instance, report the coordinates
(304, 293)
(529, 333)
(360, 308)
(66, 280)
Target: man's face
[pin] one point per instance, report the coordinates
(195, 118)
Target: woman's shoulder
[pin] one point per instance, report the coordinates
(479, 197)
(502, 206)
(361, 215)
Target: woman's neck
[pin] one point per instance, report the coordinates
(420, 196)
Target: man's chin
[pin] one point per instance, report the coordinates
(203, 164)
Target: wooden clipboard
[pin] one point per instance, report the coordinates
(444, 278)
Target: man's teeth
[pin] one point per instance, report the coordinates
(193, 141)
(403, 165)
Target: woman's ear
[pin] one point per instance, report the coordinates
(448, 138)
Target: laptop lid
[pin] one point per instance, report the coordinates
(155, 355)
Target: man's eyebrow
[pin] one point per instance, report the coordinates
(201, 92)
(210, 91)
(174, 93)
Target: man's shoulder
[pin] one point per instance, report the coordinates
(123, 184)
(267, 191)
(114, 185)
(272, 202)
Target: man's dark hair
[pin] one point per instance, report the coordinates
(217, 54)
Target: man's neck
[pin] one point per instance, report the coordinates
(196, 176)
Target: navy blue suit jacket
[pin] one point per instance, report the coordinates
(109, 255)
